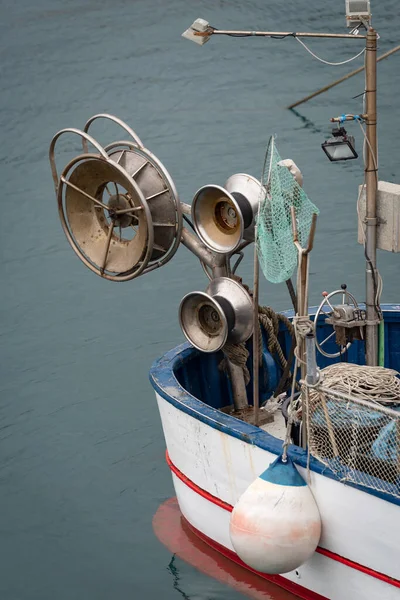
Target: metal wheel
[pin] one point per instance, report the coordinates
(159, 193)
(326, 308)
(119, 209)
(114, 119)
(105, 217)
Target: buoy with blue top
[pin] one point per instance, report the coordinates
(275, 526)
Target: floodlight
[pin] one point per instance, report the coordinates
(340, 147)
(198, 26)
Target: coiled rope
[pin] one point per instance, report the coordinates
(376, 384)
(269, 321)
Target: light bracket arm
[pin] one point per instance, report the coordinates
(279, 34)
(196, 246)
(343, 118)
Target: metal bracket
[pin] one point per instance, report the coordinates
(374, 221)
(372, 322)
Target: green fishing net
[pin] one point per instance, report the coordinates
(276, 251)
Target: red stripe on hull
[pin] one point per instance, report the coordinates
(195, 487)
(286, 584)
(323, 551)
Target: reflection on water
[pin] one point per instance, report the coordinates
(173, 569)
(308, 124)
(173, 531)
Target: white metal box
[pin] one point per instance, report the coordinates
(357, 10)
(388, 212)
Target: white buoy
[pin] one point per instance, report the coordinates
(275, 526)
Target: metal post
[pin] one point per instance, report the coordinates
(219, 271)
(371, 180)
(312, 369)
(238, 386)
(212, 259)
(302, 299)
(302, 308)
(218, 264)
(236, 374)
(256, 348)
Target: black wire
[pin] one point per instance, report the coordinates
(292, 293)
(188, 221)
(376, 306)
(282, 37)
(273, 37)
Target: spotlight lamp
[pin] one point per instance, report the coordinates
(198, 26)
(340, 147)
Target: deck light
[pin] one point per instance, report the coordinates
(340, 146)
(198, 26)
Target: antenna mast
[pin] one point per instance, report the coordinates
(371, 184)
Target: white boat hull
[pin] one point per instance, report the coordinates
(358, 556)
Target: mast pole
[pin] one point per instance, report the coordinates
(371, 183)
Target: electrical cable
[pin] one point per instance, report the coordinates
(253, 34)
(282, 37)
(376, 276)
(188, 221)
(333, 64)
(378, 286)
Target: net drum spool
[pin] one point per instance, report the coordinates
(119, 208)
(159, 191)
(98, 203)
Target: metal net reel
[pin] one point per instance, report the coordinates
(159, 192)
(119, 208)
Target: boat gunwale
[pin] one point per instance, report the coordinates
(165, 383)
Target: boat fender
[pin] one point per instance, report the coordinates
(275, 526)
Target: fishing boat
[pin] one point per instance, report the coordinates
(282, 429)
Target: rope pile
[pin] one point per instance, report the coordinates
(356, 435)
(376, 384)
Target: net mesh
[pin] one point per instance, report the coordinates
(276, 251)
(359, 439)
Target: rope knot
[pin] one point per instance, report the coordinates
(303, 326)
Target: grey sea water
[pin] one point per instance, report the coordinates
(82, 468)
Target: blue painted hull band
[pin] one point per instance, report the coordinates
(162, 378)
